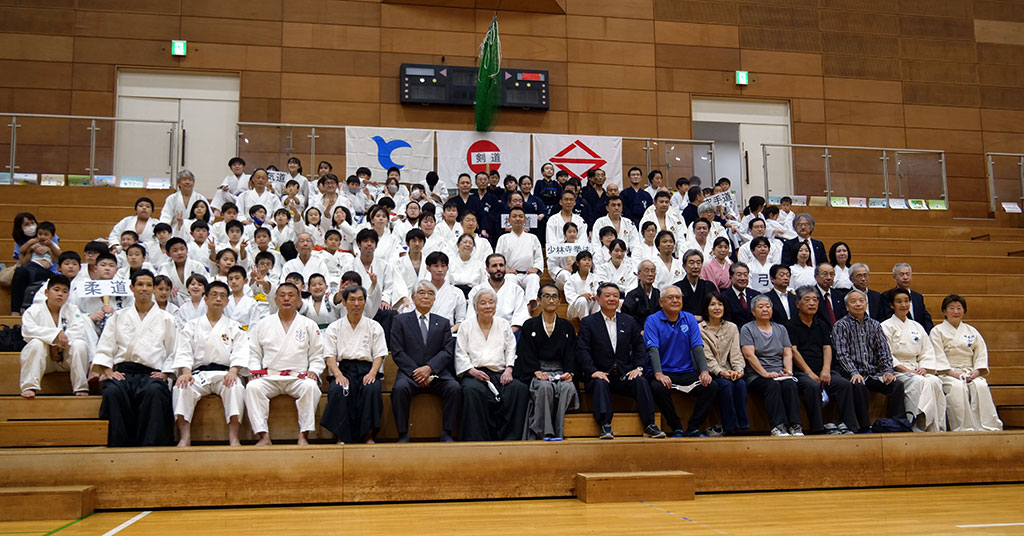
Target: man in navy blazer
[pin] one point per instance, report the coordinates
(878, 308)
(904, 274)
(424, 366)
(614, 365)
(738, 296)
(803, 224)
(781, 313)
(825, 276)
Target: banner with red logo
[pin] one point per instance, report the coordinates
(578, 154)
(460, 151)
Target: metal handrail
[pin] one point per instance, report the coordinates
(92, 128)
(884, 158)
(990, 171)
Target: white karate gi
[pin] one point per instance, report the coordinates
(666, 275)
(470, 273)
(200, 344)
(128, 224)
(626, 232)
(315, 265)
(364, 343)
(556, 222)
(624, 275)
(523, 252)
(147, 341)
(284, 355)
(39, 332)
(176, 205)
(579, 306)
(170, 270)
(388, 288)
(744, 255)
(494, 352)
(511, 302)
(251, 198)
(673, 223)
(327, 312)
(235, 186)
(187, 312)
(760, 277)
(245, 311)
(969, 406)
(923, 396)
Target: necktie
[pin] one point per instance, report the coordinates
(810, 248)
(743, 299)
(423, 328)
(831, 312)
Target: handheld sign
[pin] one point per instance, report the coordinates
(566, 249)
(104, 287)
(531, 221)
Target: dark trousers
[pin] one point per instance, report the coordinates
(780, 399)
(732, 403)
(24, 276)
(894, 392)
(351, 417)
(139, 411)
(705, 398)
(486, 419)
(601, 392)
(446, 388)
(384, 317)
(840, 393)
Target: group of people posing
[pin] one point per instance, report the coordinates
(700, 300)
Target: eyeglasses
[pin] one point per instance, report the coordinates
(673, 298)
(549, 296)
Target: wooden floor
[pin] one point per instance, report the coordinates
(987, 509)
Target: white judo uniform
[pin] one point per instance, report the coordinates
(286, 357)
(523, 252)
(40, 332)
(209, 350)
(969, 405)
(922, 395)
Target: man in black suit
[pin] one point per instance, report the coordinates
(612, 357)
(803, 224)
(738, 296)
(423, 349)
(904, 274)
(784, 304)
(831, 303)
(860, 276)
(695, 289)
(642, 301)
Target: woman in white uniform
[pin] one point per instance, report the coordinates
(839, 256)
(915, 363)
(581, 288)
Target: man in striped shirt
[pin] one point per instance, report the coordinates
(863, 351)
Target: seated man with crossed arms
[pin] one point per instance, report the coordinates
(286, 358)
(211, 351)
(54, 333)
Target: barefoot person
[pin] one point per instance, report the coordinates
(211, 351)
(287, 357)
(55, 341)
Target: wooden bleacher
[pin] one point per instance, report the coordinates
(978, 259)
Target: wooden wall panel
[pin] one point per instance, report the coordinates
(998, 10)
(428, 18)
(300, 60)
(127, 25)
(938, 49)
(618, 101)
(859, 22)
(686, 33)
(611, 76)
(864, 113)
(961, 141)
(37, 21)
(633, 9)
(764, 61)
(616, 53)
(36, 47)
(217, 30)
(716, 12)
(609, 29)
(520, 23)
(690, 57)
(36, 74)
(946, 94)
(333, 12)
(776, 39)
(131, 6)
(948, 117)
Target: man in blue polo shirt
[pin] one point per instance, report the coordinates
(677, 362)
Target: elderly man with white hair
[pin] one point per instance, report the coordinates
(177, 205)
(306, 263)
(860, 276)
(494, 401)
(863, 351)
(903, 274)
(803, 224)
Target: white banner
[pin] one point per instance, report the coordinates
(725, 200)
(578, 154)
(104, 287)
(531, 221)
(463, 151)
(566, 249)
(410, 150)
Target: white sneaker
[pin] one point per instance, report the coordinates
(715, 431)
(796, 430)
(780, 431)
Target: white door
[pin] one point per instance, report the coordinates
(145, 149)
(752, 162)
(206, 104)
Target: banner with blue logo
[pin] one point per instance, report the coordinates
(410, 150)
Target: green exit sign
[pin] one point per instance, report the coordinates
(179, 48)
(742, 78)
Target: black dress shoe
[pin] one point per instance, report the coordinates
(403, 438)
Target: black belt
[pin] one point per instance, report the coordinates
(212, 367)
(127, 367)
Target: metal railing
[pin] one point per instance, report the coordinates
(675, 158)
(859, 174)
(91, 124)
(1005, 178)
